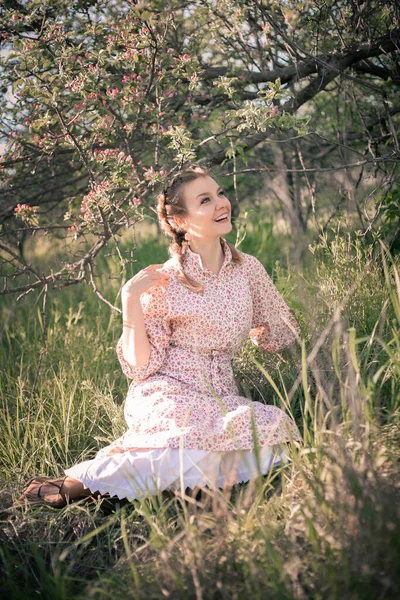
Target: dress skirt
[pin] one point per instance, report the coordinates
(136, 474)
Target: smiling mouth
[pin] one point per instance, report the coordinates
(222, 219)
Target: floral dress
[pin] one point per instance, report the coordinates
(187, 422)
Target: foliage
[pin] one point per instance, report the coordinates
(346, 269)
(102, 101)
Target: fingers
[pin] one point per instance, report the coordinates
(146, 278)
(154, 267)
(158, 277)
(163, 280)
(156, 274)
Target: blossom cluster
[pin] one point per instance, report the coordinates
(135, 201)
(127, 78)
(77, 84)
(154, 176)
(27, 214)
(184, 58)
(112, 92)
(98, 197)
(104, 155)
(55, 33)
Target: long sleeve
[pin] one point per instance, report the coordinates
(273, 326)
(155, 311)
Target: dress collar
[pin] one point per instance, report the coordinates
(192, 262)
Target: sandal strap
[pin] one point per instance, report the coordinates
(58, 483)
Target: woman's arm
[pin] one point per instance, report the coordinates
(135, 343)
(143, 344)
(274, 326)
(136, 346)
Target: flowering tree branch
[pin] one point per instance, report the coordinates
(100, 105)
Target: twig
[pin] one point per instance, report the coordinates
(389, 158)
(97, 291)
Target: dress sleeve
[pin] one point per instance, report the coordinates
(273, 326)
(155, 311)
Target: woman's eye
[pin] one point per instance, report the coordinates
(221, 192)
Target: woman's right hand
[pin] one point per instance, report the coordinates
(145, 279)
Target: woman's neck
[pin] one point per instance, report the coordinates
(211, 253)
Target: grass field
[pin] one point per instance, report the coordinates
(326, 525)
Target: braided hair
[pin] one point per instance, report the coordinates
(170, 203)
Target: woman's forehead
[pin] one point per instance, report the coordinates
(202, 185)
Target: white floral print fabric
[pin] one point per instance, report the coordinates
(186, 394)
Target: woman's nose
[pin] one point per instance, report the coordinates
(222, 201)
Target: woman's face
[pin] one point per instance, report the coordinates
(205, 202)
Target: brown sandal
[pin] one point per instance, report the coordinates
(43, 491)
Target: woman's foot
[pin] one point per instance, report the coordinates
(52, 492)
(43, 491)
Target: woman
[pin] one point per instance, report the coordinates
(183, 321)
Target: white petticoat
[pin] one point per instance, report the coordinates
(136, 474)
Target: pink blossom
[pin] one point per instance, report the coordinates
(24, 208)
(184, 58)
(149, 173)
(113, 93)
(26, 213)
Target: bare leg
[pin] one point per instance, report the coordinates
(72, 488)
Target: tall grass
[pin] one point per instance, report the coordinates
(325, 525)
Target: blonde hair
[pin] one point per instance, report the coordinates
(170, 203)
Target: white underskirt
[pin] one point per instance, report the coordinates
(136, 474)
